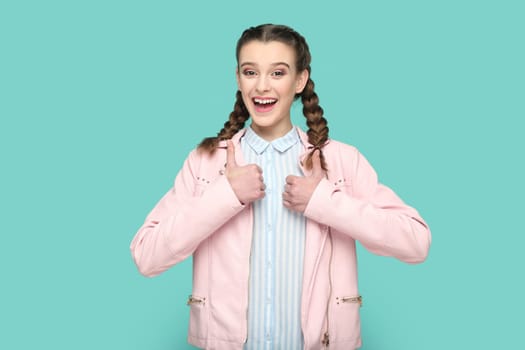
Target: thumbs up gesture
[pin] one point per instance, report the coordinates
(246, 181)
(299, 189)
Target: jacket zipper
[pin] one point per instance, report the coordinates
(249, 274)
(325, 341)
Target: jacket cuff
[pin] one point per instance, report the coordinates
(222, 191)
(319, 202)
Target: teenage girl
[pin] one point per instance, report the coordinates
(271, 214)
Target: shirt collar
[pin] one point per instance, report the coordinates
(282, 144)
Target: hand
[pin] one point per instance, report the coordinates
(246, 181)
(298, 189)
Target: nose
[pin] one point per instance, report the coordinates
(263, 84)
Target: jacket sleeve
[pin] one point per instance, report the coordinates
(371, 213)
(182, 219)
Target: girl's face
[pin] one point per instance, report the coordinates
(268, 80)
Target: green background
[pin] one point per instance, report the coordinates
(100, 102)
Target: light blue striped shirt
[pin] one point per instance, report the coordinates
(276, 266)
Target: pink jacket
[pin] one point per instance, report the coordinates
(202, 216)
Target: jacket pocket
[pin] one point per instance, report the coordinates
(346, 323)
(198, 327)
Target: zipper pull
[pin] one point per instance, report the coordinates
(195, 300)
(358, 300)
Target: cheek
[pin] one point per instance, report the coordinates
(245, 85)
(290, 91)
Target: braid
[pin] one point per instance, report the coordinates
(317, 124)
(236, 122)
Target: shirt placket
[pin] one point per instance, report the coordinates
(270, 249)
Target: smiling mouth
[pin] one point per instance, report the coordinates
(264, 101)
(263, 105)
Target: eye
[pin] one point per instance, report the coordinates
(278, 73)
(249, 72)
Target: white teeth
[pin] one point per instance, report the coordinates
(264, 101)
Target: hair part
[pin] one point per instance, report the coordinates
(317, 125)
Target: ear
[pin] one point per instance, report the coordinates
(237, 77)
(302, 79)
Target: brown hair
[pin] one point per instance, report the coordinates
(317, 124)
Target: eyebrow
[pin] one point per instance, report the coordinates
(273, 64)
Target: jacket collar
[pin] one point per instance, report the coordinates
(235, 139)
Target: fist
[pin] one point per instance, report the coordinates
(299, 189)
(246, 181)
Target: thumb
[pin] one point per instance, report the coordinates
(230, 155)
(317, 169)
